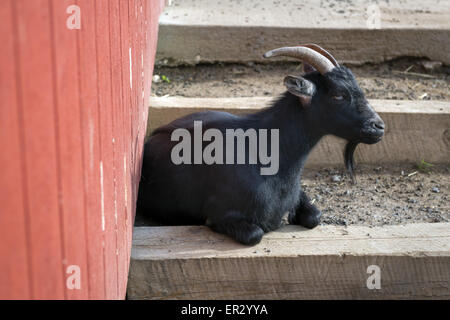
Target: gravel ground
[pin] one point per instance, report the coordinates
(381, 196)
(379, 81)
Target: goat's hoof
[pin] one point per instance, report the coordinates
(308, 220)
(252, 237)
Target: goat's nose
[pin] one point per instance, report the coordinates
(377, 124)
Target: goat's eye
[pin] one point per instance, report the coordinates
(338, 97)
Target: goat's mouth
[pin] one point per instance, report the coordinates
(372, 131)
(371, 136)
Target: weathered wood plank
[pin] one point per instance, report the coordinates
(39, 149)
(415, 129)
(196, 31)
(91, 149)
(15, 276)
(106, 113)
(328, 262)
(127, 133)
(68, 117)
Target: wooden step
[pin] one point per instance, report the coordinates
(416, 130)
(193, 31)
(328, 262)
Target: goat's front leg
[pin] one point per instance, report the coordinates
(306, 214)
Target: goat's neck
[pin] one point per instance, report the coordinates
(298, 130)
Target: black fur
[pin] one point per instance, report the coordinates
(235, 199)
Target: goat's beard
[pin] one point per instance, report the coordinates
(349, 160)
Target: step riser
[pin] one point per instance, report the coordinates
(328, 262)
(207, 44)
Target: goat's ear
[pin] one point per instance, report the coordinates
(300, 87)
(307, 68)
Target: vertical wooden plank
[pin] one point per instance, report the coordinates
(141, 89)
(134, 108)
(153, 12)
(67, 101)
(150, 34)
(106, 146)
(137, 99)
(33, 41)
(91, 149)
(137, 118)
(119, 150)
(127, 109)
(14, 268)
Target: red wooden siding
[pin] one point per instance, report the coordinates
(72, 126)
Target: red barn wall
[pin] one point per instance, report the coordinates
(73, 117)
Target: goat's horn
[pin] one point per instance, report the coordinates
(322, 51)
(314, 58)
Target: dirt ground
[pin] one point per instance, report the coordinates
(405, 79)
(381, 196)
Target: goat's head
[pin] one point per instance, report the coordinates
(333, 96)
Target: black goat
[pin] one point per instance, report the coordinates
(236, 199)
